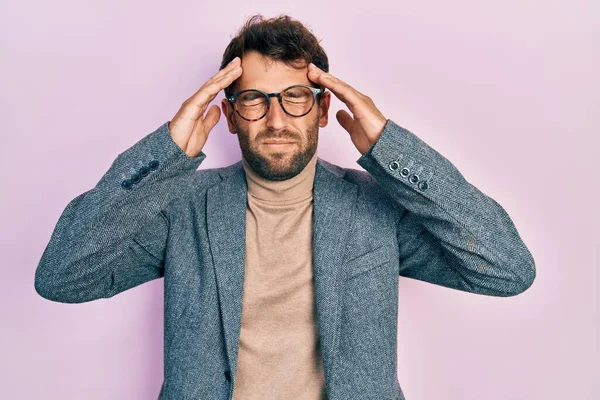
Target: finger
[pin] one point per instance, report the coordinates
(236, 62)
(196, 105)
(359, 140)
(211, 118)
(233, 65)
(202, 129)
(340, 89)
(227, 74)
(345, 120)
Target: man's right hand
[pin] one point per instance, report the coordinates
(189, 127)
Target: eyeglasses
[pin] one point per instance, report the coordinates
(296, 101)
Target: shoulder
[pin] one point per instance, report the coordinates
(374, 204)
(366, 183)
(209, 176)
(368, 187)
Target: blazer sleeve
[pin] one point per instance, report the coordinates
(449, 233)
(112, 238)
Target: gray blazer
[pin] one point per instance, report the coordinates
(153, 215)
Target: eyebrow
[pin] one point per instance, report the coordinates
(265, 91)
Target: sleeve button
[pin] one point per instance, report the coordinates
(414, 178)
(126, 184)
(144, 171)
(405, 171)
(153, 165)
(394, 165)
(423, 185)
(136, 178)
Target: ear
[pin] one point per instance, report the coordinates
(229, 114)
(324, 108)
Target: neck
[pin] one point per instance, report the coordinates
(290, 189)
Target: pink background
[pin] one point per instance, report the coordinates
(506, 90)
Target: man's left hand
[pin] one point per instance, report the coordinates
(368, 122)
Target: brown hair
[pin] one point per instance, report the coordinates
(281, 38)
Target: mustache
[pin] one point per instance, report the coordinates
(281, 136)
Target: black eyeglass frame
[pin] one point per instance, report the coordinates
(315, 91)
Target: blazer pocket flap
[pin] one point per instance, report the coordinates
(367, 261)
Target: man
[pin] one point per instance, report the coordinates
(281, 270)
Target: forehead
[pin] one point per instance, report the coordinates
(264, 73)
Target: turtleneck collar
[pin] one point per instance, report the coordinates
(281, 191)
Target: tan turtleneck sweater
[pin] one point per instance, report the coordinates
(279, 356)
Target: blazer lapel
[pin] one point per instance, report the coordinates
(333, 210)
(334, 201)
(226, 228)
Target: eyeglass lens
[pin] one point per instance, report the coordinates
(296, 101)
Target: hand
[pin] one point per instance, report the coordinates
(189, 128)
(368, 122)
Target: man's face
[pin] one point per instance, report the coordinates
(276, 161)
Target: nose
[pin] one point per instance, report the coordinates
(276, 118)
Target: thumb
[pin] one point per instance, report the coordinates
(212, 117)
(345, 120)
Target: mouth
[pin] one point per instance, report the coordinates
(277, 143)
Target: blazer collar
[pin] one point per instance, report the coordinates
(334, 202)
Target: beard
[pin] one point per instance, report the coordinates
(279, 165)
